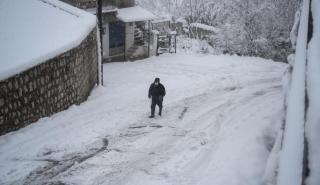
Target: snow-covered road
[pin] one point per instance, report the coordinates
(221, 116)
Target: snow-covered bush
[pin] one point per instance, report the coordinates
(189, 45)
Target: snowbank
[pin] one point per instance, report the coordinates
(313, 85)
(34, 31)
(189, 45)
(291, 156)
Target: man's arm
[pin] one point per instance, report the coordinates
(150, 89)
(163, 90)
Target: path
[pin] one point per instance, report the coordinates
(220, 119)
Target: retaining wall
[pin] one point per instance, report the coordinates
(49, 87)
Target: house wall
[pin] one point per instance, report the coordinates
(105, 41)
(125, 3)
(49, 87)
(153, 44)
(109, 2)
(118, 3)
(129, 35)
(83, 4)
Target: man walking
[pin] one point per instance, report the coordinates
(156, 93)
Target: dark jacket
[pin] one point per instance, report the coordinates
(156, 90)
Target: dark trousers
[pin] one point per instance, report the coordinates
(157, 100)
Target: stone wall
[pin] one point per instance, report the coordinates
(125, 3)
(49, 87)
(83, 4)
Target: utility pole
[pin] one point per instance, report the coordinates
(191, 11)
(310, 24)
(100, 25)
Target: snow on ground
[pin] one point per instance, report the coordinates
(34, 31)
(221, 115)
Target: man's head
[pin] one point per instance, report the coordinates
(156, 81)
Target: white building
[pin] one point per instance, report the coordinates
(126, 32)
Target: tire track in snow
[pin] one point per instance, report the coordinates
(224, 102)
(53, 168)
(169, 147)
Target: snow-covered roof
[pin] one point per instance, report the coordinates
(134, 14)
(34, 31)
(204, 26)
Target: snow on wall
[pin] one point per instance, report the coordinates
(291, 156)
(204, 27)
(100, 67)
(313, 85)
(49, 87)
(34, 31)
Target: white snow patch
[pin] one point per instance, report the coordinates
(134, 14)
(204, 27)
(189, 45)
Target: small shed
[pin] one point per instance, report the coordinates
(136, 22)
(126, 32)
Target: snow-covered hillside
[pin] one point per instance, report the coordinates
(221, 115)
(249, 27)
